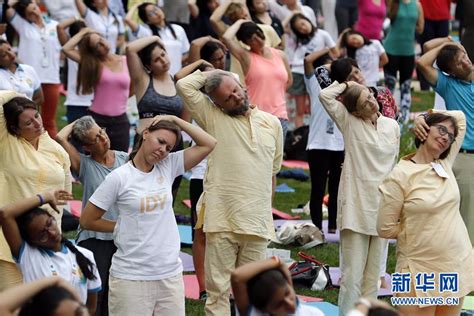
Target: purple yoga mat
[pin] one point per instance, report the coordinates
(335, 273)
(187, 260)
(330, 238)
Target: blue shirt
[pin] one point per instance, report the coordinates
(459, 95)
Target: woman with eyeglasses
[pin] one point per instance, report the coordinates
(91, 170)
(173, 36)
(30, 162)
(39, 47)
(420, 208)
(40, 250)
(106, 75)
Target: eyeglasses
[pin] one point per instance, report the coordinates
(100, 134)
(43, 235)
(443, 130)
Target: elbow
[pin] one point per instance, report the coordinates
(3, 216)
(85, 222)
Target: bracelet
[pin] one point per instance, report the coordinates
(40, 198)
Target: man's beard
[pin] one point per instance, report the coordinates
(239, 111)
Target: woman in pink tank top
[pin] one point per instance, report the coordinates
(106, 75)
(267, 72)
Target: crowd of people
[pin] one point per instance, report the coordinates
(212, 82)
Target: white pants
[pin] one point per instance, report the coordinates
(160, 297)
(360, 269)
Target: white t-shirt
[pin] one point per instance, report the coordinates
(301, 310)
(39, 48)
(62, 9)
(368, 59)
(72, 97)
(282, 11)
(146, 233)
(295, 54)
(323, 133)
(36, 263)
(110, 27)
(24, 80)
(175, 47)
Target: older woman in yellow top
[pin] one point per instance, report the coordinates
(30, 162)
(420, 207)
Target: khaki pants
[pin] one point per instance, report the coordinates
(464, 171)
(224, 252)
(161, 297)
(360, 269)
(10, 275)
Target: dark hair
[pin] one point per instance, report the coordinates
(167, 125)
(434, 118)
(12, 111)
(145, 53)
(208, 49)
(345, 42)
(247, 30)
(21, 6)
(46, 301)
(301, 39)
(446, 57)
(261, 287)
(203, 8)
(24, 220)
(382, 311)
(342, 68)
(322, 60)
(75, 27)
(2, 41)
(144, 17)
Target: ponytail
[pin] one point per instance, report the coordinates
(83, 262)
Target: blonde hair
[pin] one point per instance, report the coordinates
(233, 9)
(350, 96)
(90, 67)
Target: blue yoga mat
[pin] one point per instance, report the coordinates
(328, 309)
(185, 233)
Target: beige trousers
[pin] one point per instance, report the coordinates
(464, 171)
(360, 269)
(224, 252)
(160, 297)
(10, 275)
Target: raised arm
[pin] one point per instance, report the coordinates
(311, 58)
(426, 61)
(234, 46)
(81, 7)
(9, 213)
(197, 45)
(61, 29)
(129, 17)
(70, 49)
(189, 69)
(135, 66)
(63, 139)
(245, 273)
(14, 298)
(205, 143)
(336, 110)
(193, 8)
(216, 18)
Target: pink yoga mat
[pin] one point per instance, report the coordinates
(75, 207)
(296, 164)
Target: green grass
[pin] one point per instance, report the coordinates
(327, 253)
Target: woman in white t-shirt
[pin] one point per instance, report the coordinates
(99, 17)
(146, 233)
(39, 47)
(41, 251)
(173, 36)
(21, 78)
(369, 54)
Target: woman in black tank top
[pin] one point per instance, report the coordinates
(154, 88)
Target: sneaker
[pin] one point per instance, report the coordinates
(203, 296)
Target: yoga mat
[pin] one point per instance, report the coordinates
(185, 233)
(187, 260)
(191, 286)
(284, 188)
(282, 215)
(75, 207)
(308, 299)
(187, 203)
(335, 273)
(328, 309)
(295, 164)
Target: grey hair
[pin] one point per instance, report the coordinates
(81, 127)
(214, 81)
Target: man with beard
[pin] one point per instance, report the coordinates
(236, 202)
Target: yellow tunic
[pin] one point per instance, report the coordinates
(421, 209)
(25, 171)
(238, 180)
